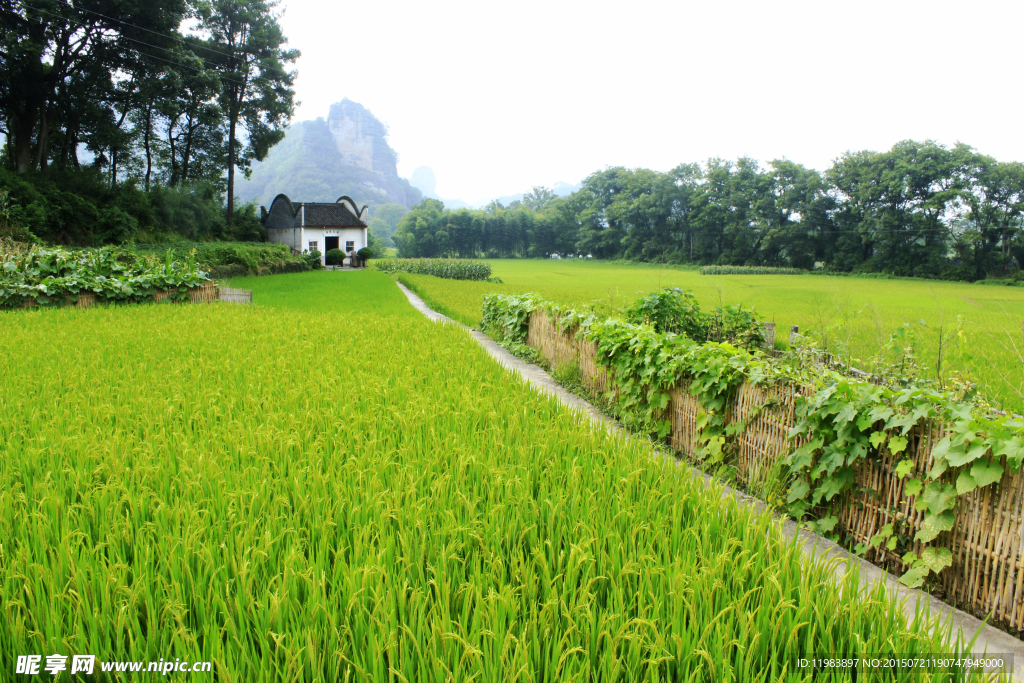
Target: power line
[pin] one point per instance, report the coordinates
(263, 68)
(169, 61)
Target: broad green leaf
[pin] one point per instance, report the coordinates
(937, 471)
(958, 456)
(880, 412)
(847, 414)
(877, 439)
(913, 487)
(864, 423)
(897, 444)
(965, 483)
(934, 525)
(891, 543)
(798, 492)
(940, 448)
(915, 577)
(925, 410)
(1013, 449)
(986, 472)
(827, 524)
(938, 497)
(963, 411)
(937, 559)
(834, 485)
(904, 467)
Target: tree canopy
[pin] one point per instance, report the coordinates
(119, 88)
(919, 209)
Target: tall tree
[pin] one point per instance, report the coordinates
(45, 45)
(193, 130)
(257, 94)
(996, 215)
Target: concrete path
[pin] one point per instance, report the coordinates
(989, 639)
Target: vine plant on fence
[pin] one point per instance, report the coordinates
(849, 421)
(842, 424)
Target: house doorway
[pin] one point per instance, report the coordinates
(330, 243)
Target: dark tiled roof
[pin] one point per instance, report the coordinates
(330, 215)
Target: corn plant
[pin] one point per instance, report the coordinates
(750, 270)
(450, 269)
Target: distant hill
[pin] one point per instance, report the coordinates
(560, 189)
(318, 161)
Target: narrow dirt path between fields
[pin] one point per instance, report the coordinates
(815, 547)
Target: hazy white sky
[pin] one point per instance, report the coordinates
(497, 97)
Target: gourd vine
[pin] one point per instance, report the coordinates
(842, 422)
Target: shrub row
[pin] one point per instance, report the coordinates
(750, 270)
(451, 269)
(52, 277)
(228, 259)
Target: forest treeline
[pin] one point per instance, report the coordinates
(920, 209)
(103, 103)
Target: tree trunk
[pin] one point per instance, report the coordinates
(174, 159)
(231, 170)
(41, 140)
(145, 138)
(26, 123)
(187, 154)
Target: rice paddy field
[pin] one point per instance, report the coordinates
(980, 326)
(326, 486)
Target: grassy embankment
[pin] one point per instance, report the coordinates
(296, 494)
(856, 317)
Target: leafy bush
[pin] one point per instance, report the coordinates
(55, 276)
(508, 316)
(672, 309)
(334, 257)
(313, 259)
(750, 270)
(80, 207)
(451, 269)
(365, 253)
(231, 259)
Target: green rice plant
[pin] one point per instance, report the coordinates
(314, 489)
(450, 269)
(857, 316)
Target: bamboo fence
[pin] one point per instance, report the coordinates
(987, 540)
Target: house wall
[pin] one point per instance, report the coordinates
(290, 236)
(283, 227)
(281, 217)
(357, 235)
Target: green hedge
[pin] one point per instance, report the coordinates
(451, 269)
(229, 259)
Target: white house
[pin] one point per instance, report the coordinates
(305, 226)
